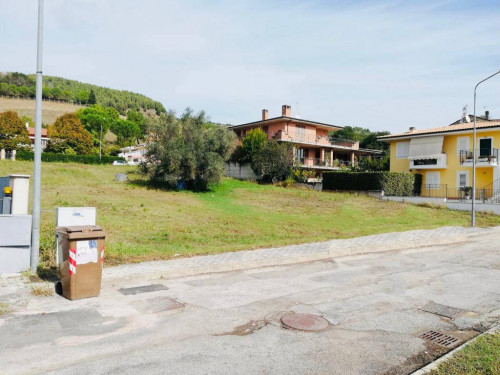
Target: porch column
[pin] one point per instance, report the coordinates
(352, 158)
(322, 155)
(331, 157)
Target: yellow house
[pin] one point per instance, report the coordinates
(444, 158)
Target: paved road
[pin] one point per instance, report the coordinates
(229, 323)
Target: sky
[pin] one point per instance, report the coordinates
(382, 65)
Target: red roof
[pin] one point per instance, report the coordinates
(31, 132)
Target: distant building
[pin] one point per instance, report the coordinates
(313, 148)
(134, 155)
(45, 139)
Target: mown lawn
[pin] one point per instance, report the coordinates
(146, 224)
(482, 357)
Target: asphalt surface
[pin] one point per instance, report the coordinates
(229, 323)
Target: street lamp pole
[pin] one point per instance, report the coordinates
(473, 211)
(37, 167)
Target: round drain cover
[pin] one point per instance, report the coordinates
(304, 322)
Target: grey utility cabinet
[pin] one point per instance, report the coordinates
(15, 243)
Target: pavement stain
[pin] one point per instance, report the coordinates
(246, 329)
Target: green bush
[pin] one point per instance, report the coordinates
(392, 183)
(66, 158)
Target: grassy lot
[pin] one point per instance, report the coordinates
(26, 107)
(481, 357)
(146, 224)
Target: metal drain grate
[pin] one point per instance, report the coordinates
(142, 289)
(443, 310)
(440, 338)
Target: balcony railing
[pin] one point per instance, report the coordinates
(348, 143)
(317, 162)
(319, 140)
(484, 157)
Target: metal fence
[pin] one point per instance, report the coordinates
(463, 194)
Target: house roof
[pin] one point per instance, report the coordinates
(443, 130)
(294, 119)
(478, 118)
(31, 132)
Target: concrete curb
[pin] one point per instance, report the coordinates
(316, 251)
(433, 365)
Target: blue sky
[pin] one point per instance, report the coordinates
(385, 65)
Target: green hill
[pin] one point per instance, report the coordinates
(23, 86)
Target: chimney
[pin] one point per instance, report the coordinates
(286, 111)
(412, 129)
(265, 114)
(487, 115)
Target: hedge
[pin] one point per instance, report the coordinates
(392, 183)
(63, 158)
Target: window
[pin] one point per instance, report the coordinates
(402, 150)
(462, 144)
(300, 132)
(425, 162)
(462, 178)
(485, 147)
(432, 180)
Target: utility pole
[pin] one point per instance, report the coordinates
(37, 169)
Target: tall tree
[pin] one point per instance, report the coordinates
(13, 132)
(138, 118)
(92, 98)
(68, 135)
(126, 131)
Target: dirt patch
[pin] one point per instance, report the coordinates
(246, 329)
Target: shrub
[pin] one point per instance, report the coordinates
(187, 150)
(274, 161)
(254, 142)
(13, 133)
(392, 183)
(66, 158)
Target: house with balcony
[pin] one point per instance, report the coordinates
(313, 149)
(134, 155)
(444, 157)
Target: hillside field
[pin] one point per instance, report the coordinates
(26, 107)
(147, 224)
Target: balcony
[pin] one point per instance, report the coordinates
(317, 140)
(323, 164)
(438, 162)
(486, 157)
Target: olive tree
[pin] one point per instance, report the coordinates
(187, 150)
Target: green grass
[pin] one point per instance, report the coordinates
(480, 357)
(146, 224)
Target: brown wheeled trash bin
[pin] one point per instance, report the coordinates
(80, 266)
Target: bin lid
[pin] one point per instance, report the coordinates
(81, 231)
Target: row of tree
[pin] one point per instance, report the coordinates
(79, 133)
(23, 85)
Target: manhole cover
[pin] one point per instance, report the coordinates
(142, 289)
(439, 338)
(443, 310)
(304, 322)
